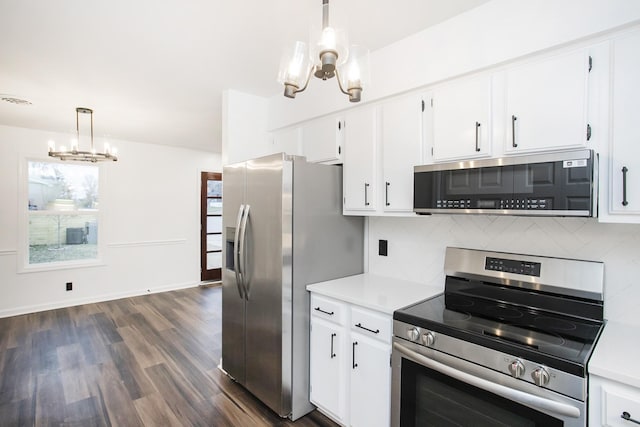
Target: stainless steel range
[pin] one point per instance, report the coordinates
(507, 343)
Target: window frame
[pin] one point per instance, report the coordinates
(24, 266)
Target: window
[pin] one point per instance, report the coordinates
(63, 213)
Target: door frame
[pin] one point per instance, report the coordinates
(216, 273)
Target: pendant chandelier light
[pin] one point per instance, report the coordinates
(327, 57)
(74, 153)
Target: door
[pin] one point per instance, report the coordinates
(370, 382)
(625, 154)
(233, 303)
(268, 281)
(462, 119)
(546, 103)
(326, 368)
(401, 150)
(360, 160)
(211, 226)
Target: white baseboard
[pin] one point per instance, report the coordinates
(90, 300)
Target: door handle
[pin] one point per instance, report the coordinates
(236, 251)
(354, 365)
(332, 353)
(625, 202)
(513, 131)
(477, 135)
(535, 402)
(243, 252)
(386, 193)
(366, 200)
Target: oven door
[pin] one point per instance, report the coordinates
(430, 388)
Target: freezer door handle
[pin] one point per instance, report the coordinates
(236, 251)
(243, 251)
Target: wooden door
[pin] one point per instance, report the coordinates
(211, 226)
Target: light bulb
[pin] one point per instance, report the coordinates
(52, 145)
(107, 148)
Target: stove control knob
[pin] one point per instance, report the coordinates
(428, 338)
(413, 334)
(516, 368)
(540, 376)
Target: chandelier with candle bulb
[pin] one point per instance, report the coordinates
(327, 58)
(75, 153)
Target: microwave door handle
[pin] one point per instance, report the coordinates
(236, 251)
(518, 396)
(243, 251)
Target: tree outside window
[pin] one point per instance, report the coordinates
(63, 212)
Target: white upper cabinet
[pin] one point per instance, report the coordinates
(624, 165)
(401, 135)
(360, 160)
(546, 103)
(286, 141)
(322, 140)
(462, 119)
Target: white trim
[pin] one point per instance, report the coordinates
(91, 300)
(6, 252)
(148, 243)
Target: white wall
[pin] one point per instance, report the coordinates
(150, 207)
(496, 32)
(416, 248)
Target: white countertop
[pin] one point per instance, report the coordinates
(617, 353)
(379, 293)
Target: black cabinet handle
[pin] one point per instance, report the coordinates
(330, 313)
(359, 325)
(627, 416)
(366, 200)
(386, 193)
(625, 202)
(354, 365)
(513, 131)
(477, 131)
(332, 353)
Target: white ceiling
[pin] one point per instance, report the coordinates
(154, 71)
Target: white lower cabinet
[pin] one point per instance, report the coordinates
(612, 403)
(350, 363)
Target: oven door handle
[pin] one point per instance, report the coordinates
(527, 399)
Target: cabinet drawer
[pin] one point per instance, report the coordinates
(371, 324)
(328, 309)
(617, 402)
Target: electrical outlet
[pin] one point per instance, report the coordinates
(382, 247)
(69, 286)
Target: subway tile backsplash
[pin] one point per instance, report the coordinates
(416, 248)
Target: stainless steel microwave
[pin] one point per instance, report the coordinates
(551, 184)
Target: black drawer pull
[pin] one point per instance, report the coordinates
(625, 202)
(332, 353)
(359, 325)
(354, 365)
(627, 416)
(322, 311)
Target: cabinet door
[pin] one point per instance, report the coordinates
(327, 360)
(625, 146)
(401, 136)
(322, 140)
(462, 119)
(546, 103)
(360, 160)
(370, 394)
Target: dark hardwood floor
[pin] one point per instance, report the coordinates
(144, 361)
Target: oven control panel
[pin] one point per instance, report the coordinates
(526, 268)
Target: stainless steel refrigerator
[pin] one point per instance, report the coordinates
(283, 228)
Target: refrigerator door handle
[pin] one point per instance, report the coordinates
(243, 251)
(236, 251)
